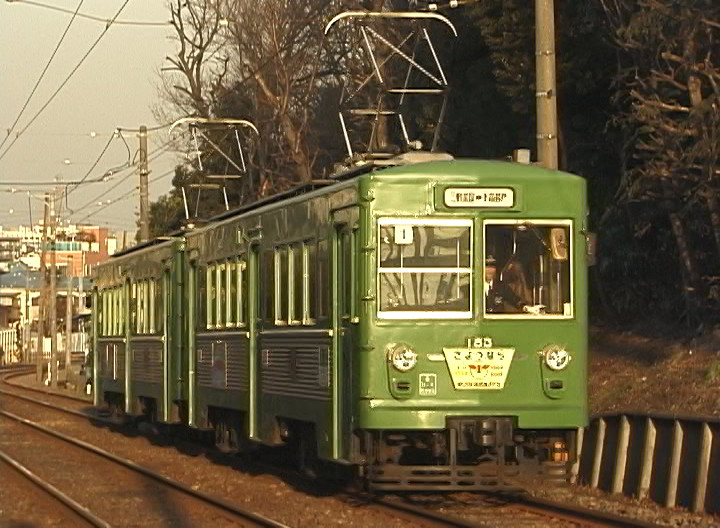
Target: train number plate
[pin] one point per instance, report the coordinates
(479, 368)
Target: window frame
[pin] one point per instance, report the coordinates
(433, 221)
(541, 222)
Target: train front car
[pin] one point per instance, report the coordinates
(470, 362)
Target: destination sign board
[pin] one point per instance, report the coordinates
(497, 197)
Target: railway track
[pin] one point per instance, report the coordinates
(60, 504)
(518, 510)
(142, 483)
(417, 516)
(532, 510)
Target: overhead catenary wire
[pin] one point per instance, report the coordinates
(105, 177)
(42, 74)
(74, 186)
(67, 79)
(124, 196)
(93, 17)
(152, 156)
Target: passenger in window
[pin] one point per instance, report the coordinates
(500, 297)
(514, 276)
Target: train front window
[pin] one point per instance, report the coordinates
(528, 268)
(424, 268)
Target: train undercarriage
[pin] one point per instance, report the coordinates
(471, 454)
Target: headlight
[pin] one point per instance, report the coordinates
(402, 356)
(556, 357)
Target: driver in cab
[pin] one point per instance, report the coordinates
(500, 298)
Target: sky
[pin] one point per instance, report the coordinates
(115, 87)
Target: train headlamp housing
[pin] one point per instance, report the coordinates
(402, 356)
(556, 357)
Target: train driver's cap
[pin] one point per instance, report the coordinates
(490, 261)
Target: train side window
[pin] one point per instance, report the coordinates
(103, 322)
(118, 300)
(281, 285)
(148, 309)
(160, 305)
(220, 295)
(133, 307)
(210, 322)
(323, 280)
(307, 286)
(121, 310)
(311, 272)
(241, 278)
(138, 308)
(110, 313)
(116, 319)
(296, 277)
(201, 296)
(268, 296)
(231, 292)
(98, 310)
(153, 308)
(143, 307)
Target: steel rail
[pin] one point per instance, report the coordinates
(441, 519)
(258, 519)
(16, 374)
(51, 490)
(60, 409)
(578, 514)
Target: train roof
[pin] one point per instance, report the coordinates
(423, 162)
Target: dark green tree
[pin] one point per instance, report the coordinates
(668, 103)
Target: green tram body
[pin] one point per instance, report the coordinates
(297, 321)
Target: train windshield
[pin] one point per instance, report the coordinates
(425, 268)
(528, 268)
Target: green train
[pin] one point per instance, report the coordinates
(423, 325)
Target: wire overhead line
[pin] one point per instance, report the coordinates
(93, 17)
(37, 83)
(121, 197)
(67, 79)
(153, 155)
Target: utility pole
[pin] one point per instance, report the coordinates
(546, 95)
(43, 293)
(53, 292)
(68, 318)
(144, 211)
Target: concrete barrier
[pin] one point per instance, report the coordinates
(672, 460)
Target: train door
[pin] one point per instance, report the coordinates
(344, 316)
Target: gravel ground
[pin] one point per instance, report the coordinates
(271, 495)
